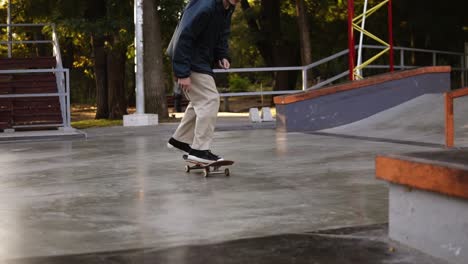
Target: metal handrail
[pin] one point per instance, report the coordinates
(463, 69)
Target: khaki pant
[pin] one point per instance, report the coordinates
(197, 126)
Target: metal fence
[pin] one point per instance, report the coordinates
(458, 68)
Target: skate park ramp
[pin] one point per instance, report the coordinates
(420, 121)
(345, 103)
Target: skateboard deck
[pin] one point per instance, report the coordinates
(208, 168)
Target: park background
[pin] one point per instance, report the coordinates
(97, 45)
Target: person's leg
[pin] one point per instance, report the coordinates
(205, 99)
(185, 130)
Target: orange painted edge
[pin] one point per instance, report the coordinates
(424, 176)
(459, 92)
(449, 123)
(449, 126)
(288, 99)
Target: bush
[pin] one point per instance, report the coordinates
(238, 84)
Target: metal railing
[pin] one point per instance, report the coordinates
(449, 123)
(62, 75)
(461, 68)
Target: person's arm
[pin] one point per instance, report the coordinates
(222, 47)
(194, 20)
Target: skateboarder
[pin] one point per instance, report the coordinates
(200, 42)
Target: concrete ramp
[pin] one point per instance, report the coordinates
(418, 121)
(342, 104)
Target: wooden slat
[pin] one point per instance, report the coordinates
(6, 90)
(5, 78)
(27, 63)
(6, 107)
(29, 83)
(30, 110)
(36, 120)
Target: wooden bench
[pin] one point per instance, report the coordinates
(29, 111)
(27, 63)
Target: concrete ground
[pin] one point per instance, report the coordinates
(121, 197)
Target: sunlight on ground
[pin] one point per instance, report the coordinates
(83, 117)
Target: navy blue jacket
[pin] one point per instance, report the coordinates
(201, 38)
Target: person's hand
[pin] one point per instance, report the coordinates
(185, 83)
(224, 64)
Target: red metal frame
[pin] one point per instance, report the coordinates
(351, 39)
(351, 49)
(390, 34)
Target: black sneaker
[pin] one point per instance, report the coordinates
(204, 156)
(176, 144)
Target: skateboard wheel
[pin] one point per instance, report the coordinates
(227, 172)
(206, 172)
(187, 168)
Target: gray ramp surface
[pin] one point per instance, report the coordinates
(418, 121)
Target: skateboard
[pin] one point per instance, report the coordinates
(208, 168)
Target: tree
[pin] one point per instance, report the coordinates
(303, 23)
(272, 40)
(155, 95)
(95, 13)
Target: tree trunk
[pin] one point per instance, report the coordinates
(304, 33)
(116, 80)
(271, 45)
(262, 44)
(155, 92)
(100, 74)
(96, 9)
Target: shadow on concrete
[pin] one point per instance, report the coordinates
(386, 140)
(363, 245)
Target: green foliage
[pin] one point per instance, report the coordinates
(96, 123)
(238, 83)
(78, 20)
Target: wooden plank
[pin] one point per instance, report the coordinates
(29, 110)
(6, 90)
(5, 78)
(30, 83)
(27, 63)
(35, 120)
(5, 113)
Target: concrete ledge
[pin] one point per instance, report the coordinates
(433, 223)
(443, 172)
(140, 120)
(288, 99)
(60, 134)
(428, 201)
(342, 104)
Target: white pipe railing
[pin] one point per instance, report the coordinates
(463, 69)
